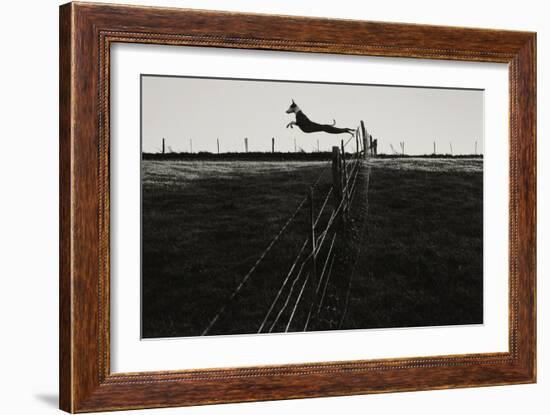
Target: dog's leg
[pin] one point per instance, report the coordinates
(291, 124)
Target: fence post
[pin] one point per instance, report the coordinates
(273, 145)
(370, 145)
(357, 143)
(312, 236)
(218, 143)
(163, 146)
(345, 190)
(365, 138)
(336, 180)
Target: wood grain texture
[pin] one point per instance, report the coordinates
(86, 33)
(65, 247)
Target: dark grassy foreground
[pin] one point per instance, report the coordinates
(414, 260)
(422, 255)
(204, 226)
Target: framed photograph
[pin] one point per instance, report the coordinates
(258, 207)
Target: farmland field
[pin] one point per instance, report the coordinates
(421, 262)
(410, 253)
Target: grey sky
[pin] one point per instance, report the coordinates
(180, 109)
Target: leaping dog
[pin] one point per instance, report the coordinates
(308, 126)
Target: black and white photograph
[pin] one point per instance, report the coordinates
(278, 206)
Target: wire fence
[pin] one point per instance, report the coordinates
(309, 273)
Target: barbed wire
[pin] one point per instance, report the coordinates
(323, 206)
(251, 271)
(297, 302)
(283, 285)
(361, 247)
(329, 253)
(287, 300)
(329, 273)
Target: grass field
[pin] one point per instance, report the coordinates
(414, 259)
(204, 226)
(421, 262)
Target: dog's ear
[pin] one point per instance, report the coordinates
(293, 101)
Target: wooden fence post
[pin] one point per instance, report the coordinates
(365, 138)
(163, 146)
(357, 143)
(345, 189)
(218, 143)
(370, 145)
(273, 144)
(312, 236)
(246, 145)
(336, 180)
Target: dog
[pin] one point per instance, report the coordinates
(308, 126)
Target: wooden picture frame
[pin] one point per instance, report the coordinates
(86, 33)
